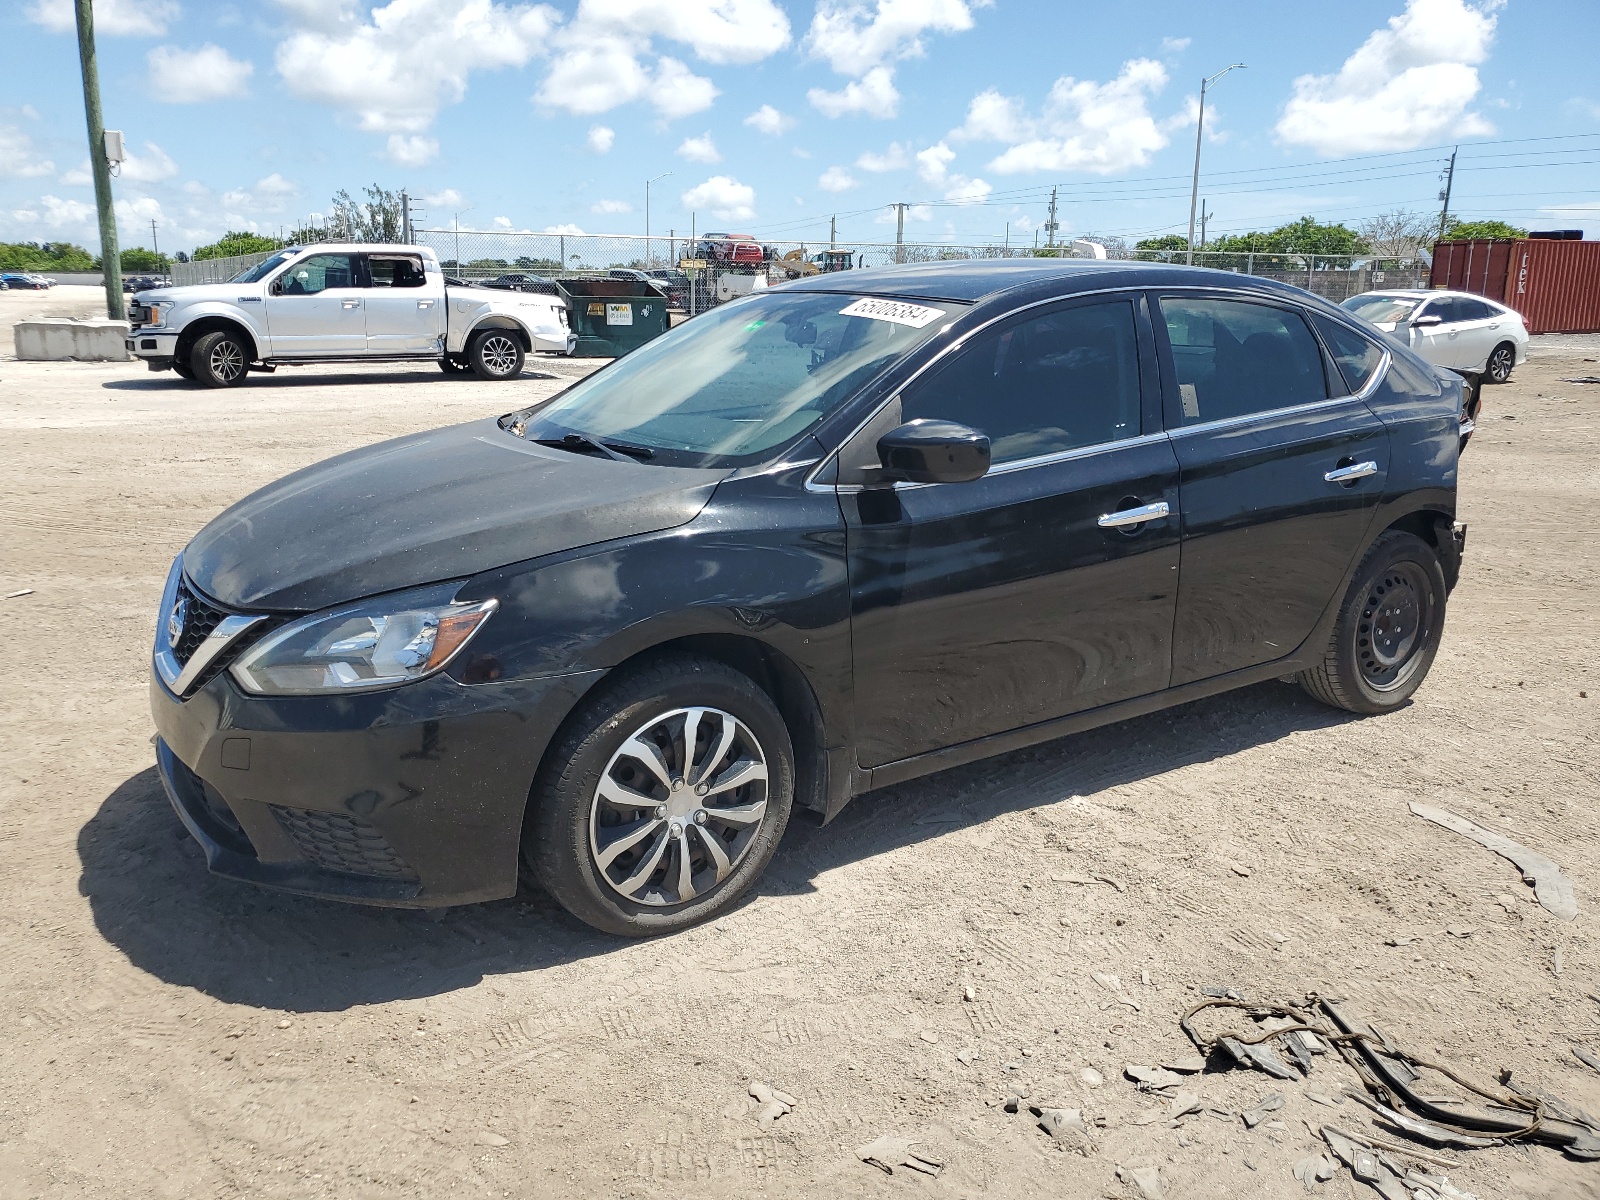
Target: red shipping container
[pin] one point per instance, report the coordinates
(1554, 285)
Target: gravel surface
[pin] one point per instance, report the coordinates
(1031, 924)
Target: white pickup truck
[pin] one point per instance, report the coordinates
(343, 303)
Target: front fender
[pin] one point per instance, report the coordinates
(252, 317)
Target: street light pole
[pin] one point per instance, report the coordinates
(1199, 130)
(647, 184)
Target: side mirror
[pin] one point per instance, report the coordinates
(275, 288)
(1427, 320)
(924, 451)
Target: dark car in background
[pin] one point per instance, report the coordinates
(534, 284)
(833, 536)
(675, 282)
(16, 281)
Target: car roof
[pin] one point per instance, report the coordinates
(976, 279)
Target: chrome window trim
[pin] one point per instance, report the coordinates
(180, 678)
(844, 489)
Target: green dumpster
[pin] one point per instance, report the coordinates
(613, 316)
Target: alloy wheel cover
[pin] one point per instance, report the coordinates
(678, 806)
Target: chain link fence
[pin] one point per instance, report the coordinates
(720, 269)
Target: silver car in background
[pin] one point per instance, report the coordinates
(1465, 333)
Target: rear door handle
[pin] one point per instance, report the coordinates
(424, 303)
(1351, 473)
(352, 304)
(1134, 516)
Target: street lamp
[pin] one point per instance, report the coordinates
(1200, 125)
(647, 184)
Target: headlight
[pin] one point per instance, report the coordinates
(159, 310)
(378, 643)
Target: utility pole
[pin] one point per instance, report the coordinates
(1449, 179)
(1202, 225)
(647, 184)
(155, 246)
(405, 217)
(899, 207)
(110, 257)
(1199, 130)
(1050, 226)
(833, 232)
(1008, 239)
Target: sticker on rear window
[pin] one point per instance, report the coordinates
(897, 311)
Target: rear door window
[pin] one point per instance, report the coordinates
(395, 271)
(1235, 358)
(1042, 384)
(1356, 356)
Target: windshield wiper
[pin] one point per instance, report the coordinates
(577, 442)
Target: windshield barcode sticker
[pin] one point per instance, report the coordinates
(897, 311)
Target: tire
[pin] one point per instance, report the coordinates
(631, 884)
(1502, 361)
(184, 370)
(451, 365)
(1388, 629)
(219, 359)
(495, 354)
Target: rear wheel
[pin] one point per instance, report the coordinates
(1388, 629)
(1502, 360)
(495, 354)
(664, 800)
(219, 359)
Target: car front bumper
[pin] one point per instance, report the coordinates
(156, 348)
(411, 797)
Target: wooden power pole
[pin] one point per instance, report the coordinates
(110, 257)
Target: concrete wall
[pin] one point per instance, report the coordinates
(61, 339)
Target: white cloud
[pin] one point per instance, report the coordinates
(601, 139)
(276, 185)
(800, 152)
(502, 222)
(1407, 85)
(725, 198)
(567, 228)
(449, 199)
(836, 179)
(411, 149)
(854, 37)
(967, 191)
(873, 95)
(1103, 128)
(769, 121)
(932, 162)
(611, 206)
(1172, 45)
(18, 158)
(326, 15)
(896, 158)
(197, 76)
(700, 149)
(395, 71)
(600, 55)
(116, 18)
(59, 213)
(153, 166)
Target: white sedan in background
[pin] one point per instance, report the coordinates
(1466, 333)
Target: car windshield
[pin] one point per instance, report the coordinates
(729, 387)
(262, 269)
(1381, 310)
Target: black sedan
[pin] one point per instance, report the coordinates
(835, 535)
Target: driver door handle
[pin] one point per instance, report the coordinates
(1353, 472)
(352, 304)
(1135, 516)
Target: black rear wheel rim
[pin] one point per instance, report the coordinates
(1395, 626)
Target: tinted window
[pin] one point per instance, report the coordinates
(397, 271)
(1473, 310)
(1444, 308)
(1357, 357)
(1234, 358)
(318, 273)
(1040, 385)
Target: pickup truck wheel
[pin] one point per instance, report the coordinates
(663, 799)
(1388, 629)
(219, 359)
(495, 354)
(1501, 362)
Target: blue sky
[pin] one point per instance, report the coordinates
(772, 115)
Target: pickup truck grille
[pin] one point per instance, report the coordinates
(138, 314)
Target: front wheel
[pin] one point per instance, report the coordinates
(219, 359)
(664, 799)
(1388, 628)
(1501, 363)
(495, 354)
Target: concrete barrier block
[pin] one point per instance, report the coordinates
(62, 339)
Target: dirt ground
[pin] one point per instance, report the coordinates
(170, 1035)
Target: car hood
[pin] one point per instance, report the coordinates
(429, 507)
(194, 293)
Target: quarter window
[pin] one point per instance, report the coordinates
(1357, 357)
(319, 273)
(1234, 358)
(1040, 385)
(395, 271)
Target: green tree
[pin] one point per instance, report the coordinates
(138, 261)
(45, 256)
(378, 220)
(1463, 231)
(236, 242)
(1168, 241)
